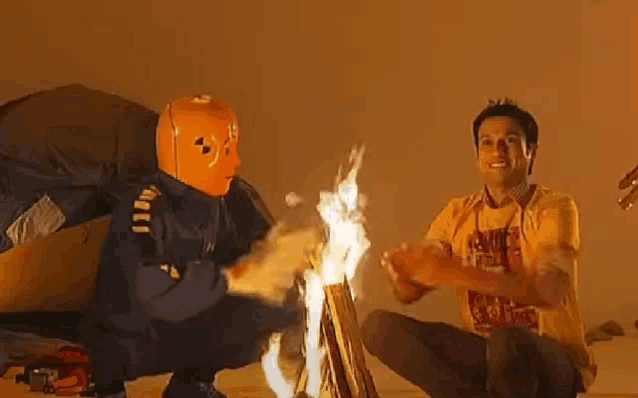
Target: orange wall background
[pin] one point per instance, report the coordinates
(311, 79)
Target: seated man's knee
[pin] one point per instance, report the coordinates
(374, 329)
(511, 372)
(513, 378)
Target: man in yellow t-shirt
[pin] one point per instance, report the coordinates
(511, 253)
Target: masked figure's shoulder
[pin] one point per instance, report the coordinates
(145, 205)
(138, 221)
(243, 196)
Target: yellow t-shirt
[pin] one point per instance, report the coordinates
(505, 239)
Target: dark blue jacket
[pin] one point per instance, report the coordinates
(167, 242)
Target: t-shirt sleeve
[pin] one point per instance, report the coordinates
(439, 233)
(559, 236)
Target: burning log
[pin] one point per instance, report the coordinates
(336, 375)
(345, 372)
(346, 375)
(335, 364)
(349, 341)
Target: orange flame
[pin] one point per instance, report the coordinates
(346, 246)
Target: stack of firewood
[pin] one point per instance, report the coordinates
(345, 372)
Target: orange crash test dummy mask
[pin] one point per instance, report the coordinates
(197, 141)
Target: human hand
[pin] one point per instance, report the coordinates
(400, 264)
(270, 271)
(412, 261)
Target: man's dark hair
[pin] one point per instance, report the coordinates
(507, 107)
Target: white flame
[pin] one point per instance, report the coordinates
(342, 214)
(270, 363)
(342, 211)
(314, 298)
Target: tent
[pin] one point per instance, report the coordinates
(65, 154)
(74, 146)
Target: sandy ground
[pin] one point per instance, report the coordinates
(247, 382)
(618, 360)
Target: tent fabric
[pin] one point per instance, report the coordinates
(79, 132)
(76, 145)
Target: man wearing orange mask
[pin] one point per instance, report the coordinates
(176, 290)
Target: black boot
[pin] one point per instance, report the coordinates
(111, 392)
(121, 394)
(188, 385)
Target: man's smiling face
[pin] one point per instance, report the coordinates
(504, 157)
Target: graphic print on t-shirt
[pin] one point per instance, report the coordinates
(498, 251)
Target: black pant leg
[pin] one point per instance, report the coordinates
(232, 334)
(110, 361)
(442, 360)
(523, 364)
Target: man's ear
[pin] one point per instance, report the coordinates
(531, 155)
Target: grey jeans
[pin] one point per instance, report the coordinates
(446, 361)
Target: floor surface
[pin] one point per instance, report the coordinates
(618, 375)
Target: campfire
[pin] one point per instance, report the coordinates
(334, 358)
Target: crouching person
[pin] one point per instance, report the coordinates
(177, 290)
